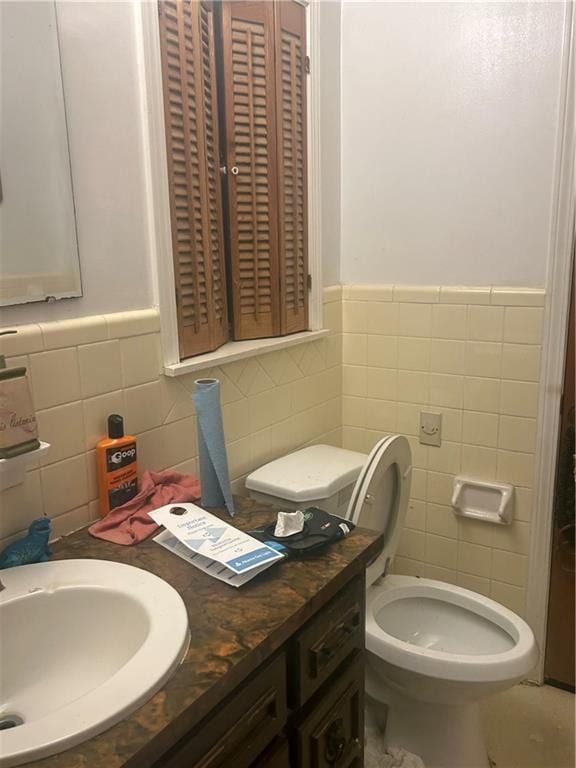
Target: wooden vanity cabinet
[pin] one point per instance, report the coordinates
(303, 708)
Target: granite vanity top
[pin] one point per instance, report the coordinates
(232, 632)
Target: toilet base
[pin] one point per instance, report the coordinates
(443, 736)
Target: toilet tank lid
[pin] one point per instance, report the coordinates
(316, 472)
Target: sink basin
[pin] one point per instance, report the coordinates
(83, 644)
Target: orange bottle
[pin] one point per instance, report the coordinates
(117, 466)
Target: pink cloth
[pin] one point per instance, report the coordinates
(130, 523)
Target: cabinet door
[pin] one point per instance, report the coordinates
(326, 642)
(241, 728)
(332, 735)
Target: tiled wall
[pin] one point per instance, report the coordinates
(83, 370)
(471, 354)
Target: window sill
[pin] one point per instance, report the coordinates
(238, 350)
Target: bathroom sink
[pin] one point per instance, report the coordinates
(83, 643)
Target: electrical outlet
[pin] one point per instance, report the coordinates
(430, 428)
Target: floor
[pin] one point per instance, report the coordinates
(525, 727)
(530, 727)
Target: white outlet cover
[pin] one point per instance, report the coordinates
(430, 428)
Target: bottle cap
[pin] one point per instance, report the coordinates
(115, 426)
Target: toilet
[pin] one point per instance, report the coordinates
(434, 650)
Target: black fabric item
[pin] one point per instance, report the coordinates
(320, 529)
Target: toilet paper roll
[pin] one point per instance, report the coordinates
(214, 475)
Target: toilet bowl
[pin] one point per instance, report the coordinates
(433, 649)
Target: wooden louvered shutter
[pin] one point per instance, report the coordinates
(249, 88)
(290, 24)
(191, 119)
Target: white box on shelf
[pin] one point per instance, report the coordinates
(13, 471)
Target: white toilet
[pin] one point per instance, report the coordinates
(434, 649)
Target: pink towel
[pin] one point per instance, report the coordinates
(130, 523)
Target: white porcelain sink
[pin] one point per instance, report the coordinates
(83, 643)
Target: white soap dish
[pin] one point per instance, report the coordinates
(13, 471)
(482, 500)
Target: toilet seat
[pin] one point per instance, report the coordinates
(453, 624)
(380, 497)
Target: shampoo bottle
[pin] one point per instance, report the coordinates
(117, 467)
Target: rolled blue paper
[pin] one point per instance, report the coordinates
(214, 475)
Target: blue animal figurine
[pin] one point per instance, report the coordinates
(32, 548)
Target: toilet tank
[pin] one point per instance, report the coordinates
(318, 476)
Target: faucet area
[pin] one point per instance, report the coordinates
(287, 384)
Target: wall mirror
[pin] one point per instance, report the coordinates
(38, 244)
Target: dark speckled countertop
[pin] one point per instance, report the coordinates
(232, 632)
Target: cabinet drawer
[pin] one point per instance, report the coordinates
(277, 755)
(239, 730)
(326, 641)
(332, 735)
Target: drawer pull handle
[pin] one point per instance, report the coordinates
(329, 646)
(335, 742)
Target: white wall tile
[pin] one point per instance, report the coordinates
(509, 567)
(485, 323)
(441, 521)
(519, 398)
(424, 294)
(63, 428)
(72, 333)
(447, 356)
(520, 362)
(26, 340)
(482, 394)
(100, 368)
(441, 551)
(354, 317)
(515, 468)
(140, 359)
(414, 354)
(523, 325)
(459, 294)
(382, 383)
(517, 434)
(382, 318)
(449, 322)
(414, 320)
(446, 390)
(480, 429)
(413, 386)
(521, 297)
(64, 485)
(474, 559)
(483, 358)
(55, 377)
(353, 349)
(382, 351)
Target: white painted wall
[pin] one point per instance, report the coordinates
(328, 58)
(101, 87)
(449, 121)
